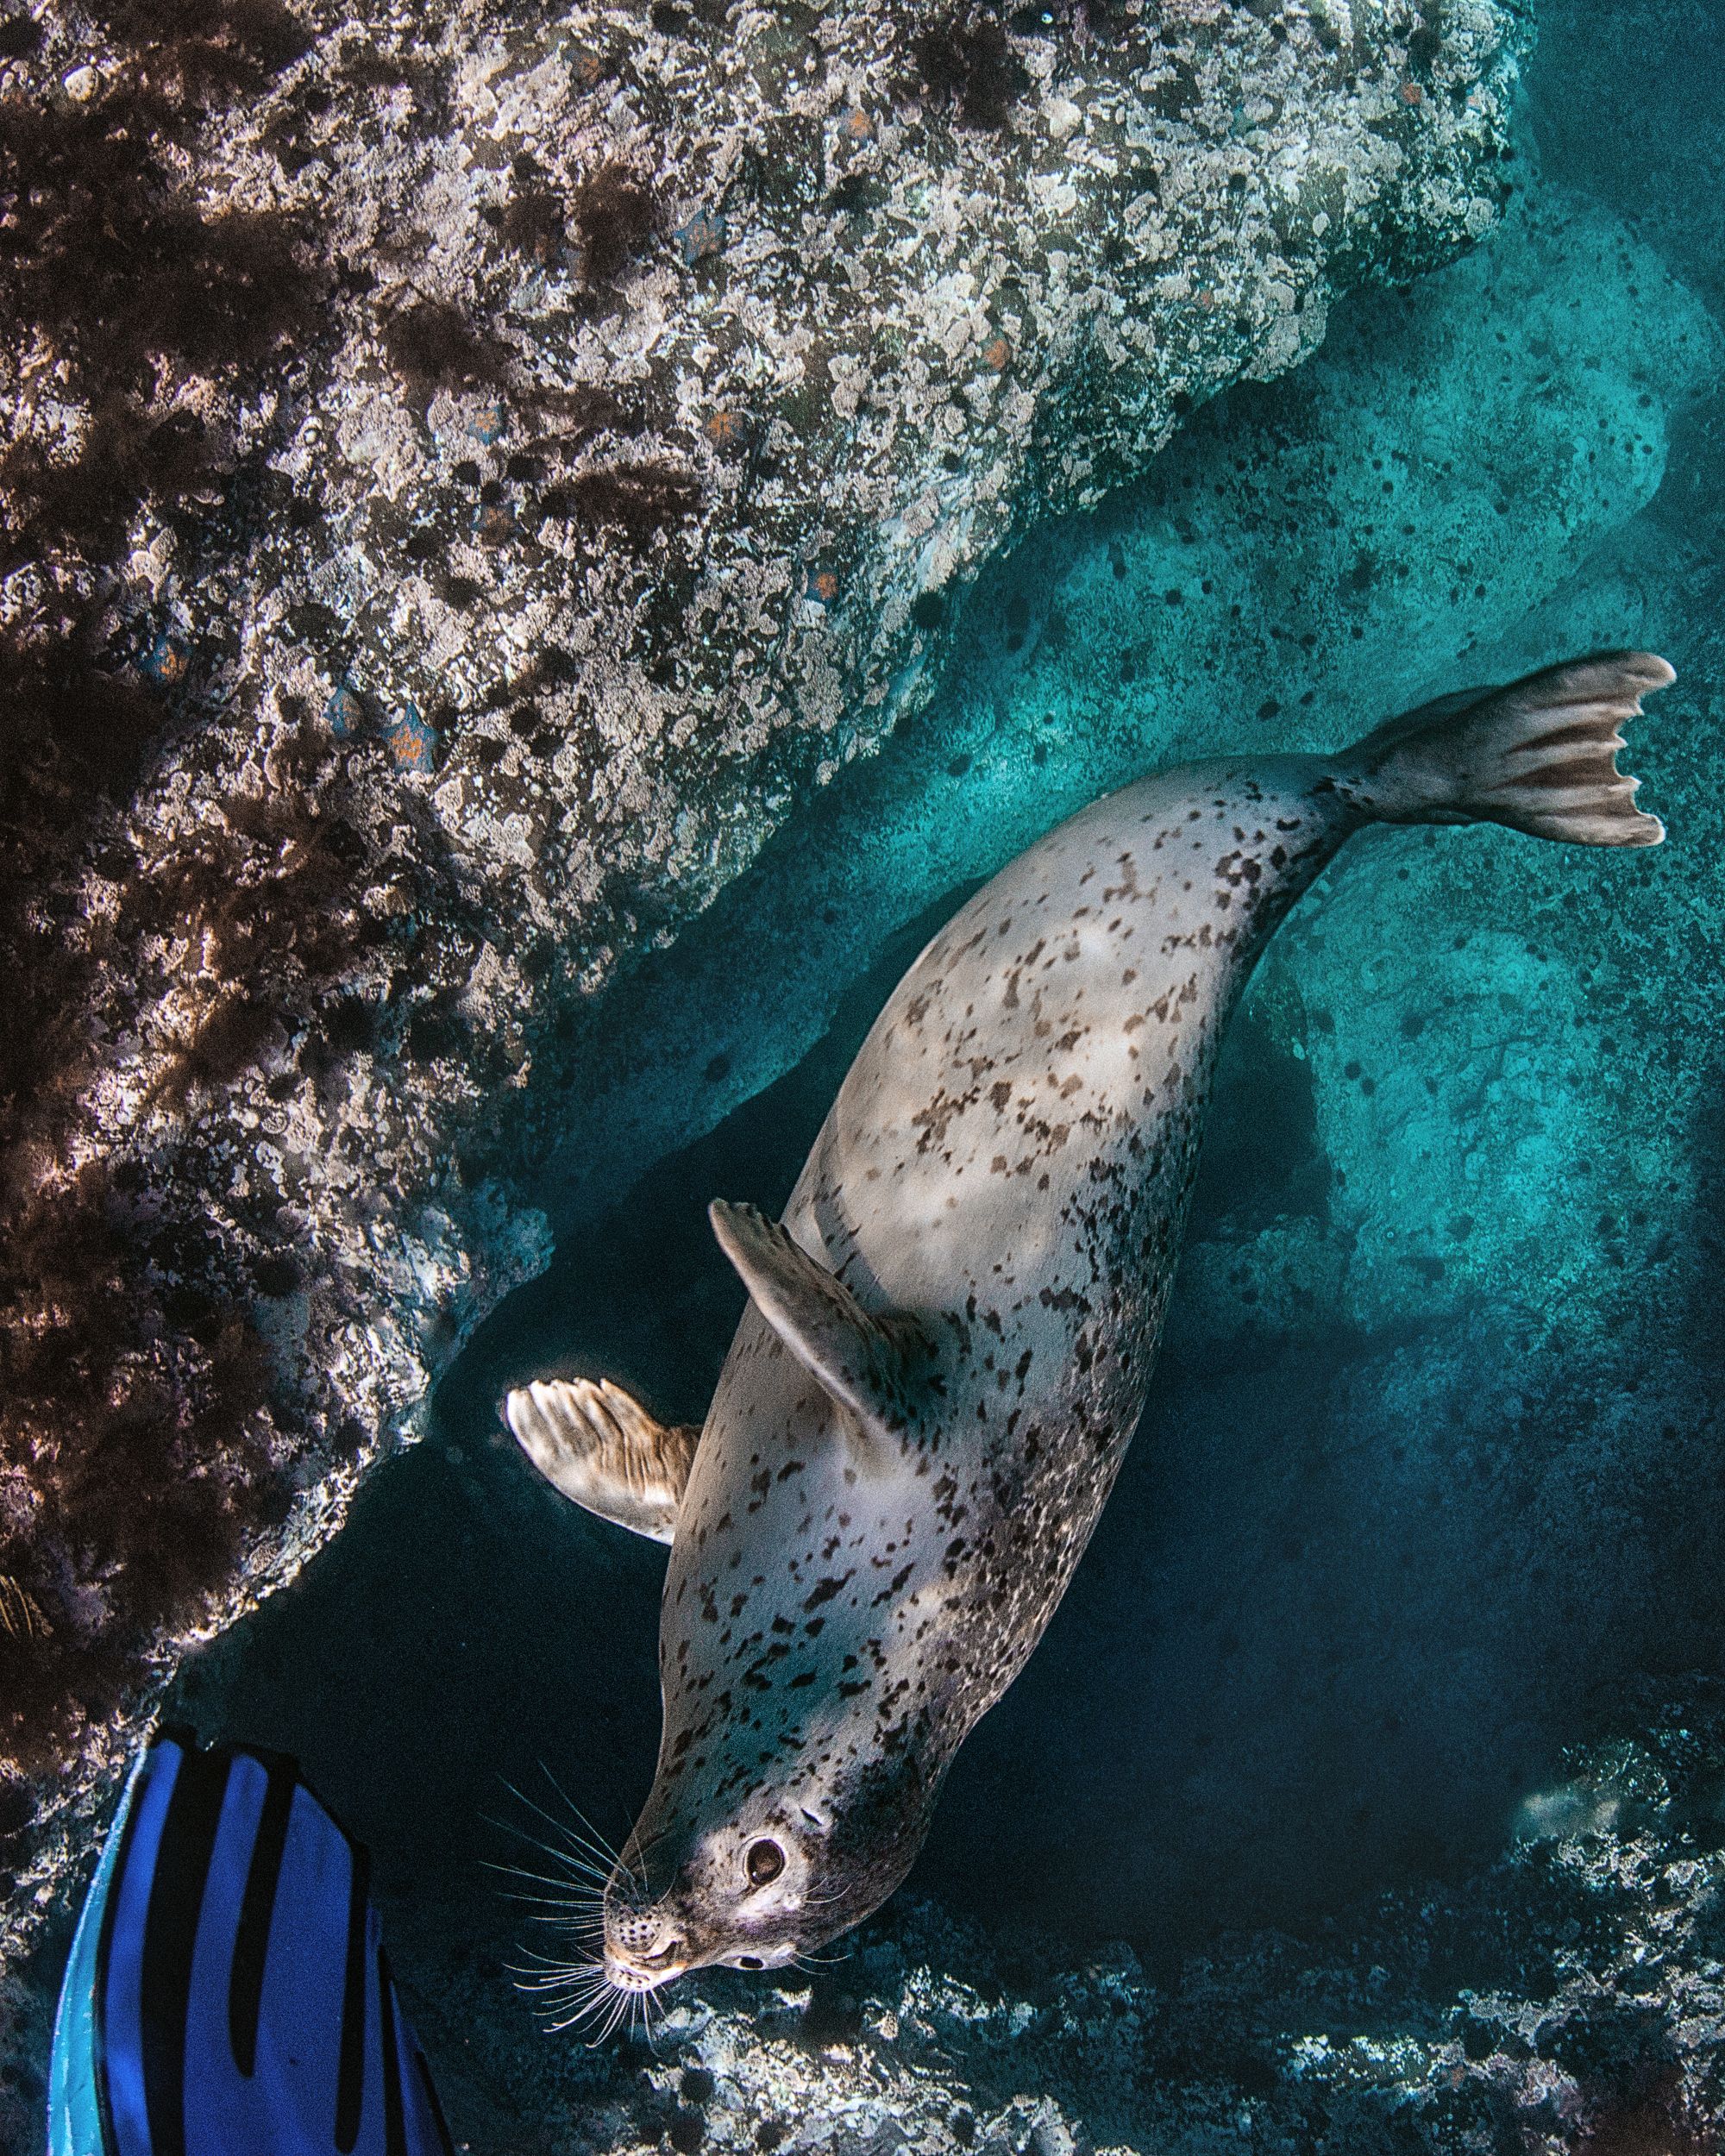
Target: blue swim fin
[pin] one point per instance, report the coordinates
(228, 1993)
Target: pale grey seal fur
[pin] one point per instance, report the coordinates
(949, 1336)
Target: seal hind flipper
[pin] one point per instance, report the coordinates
(602, 1448)
(1539, 755)
(874, 1366)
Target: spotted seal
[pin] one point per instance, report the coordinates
(949, 1335)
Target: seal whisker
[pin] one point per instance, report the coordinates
(569, 1882)
(558, 1997)
(549, 1998)
(573, 1809)
(589, 1960)
(633, 1862)
(575, 1921)
(571, 1864)
(563, 1986)
(561, 1967)
(572, 1911)
(564, 1895)
(558, 1968)
(642, 1850)
(569, 1847)
(579, 1895)
(573, 1987)
(578, 1927)
(570, 2008)
(573, 1867)
(572, 2019)
(608, 2020)
(590, 1835)
(558, 1992)
(591, 1851)
(584, 1933)
(649, 2032)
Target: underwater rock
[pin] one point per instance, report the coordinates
(467, 486)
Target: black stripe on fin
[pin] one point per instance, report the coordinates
(188, 1841)
(350, 2076)
(257, 1907)
(429, 2089)
(394, 2114)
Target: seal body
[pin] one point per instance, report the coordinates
(1012, 1151)
(950, 1336)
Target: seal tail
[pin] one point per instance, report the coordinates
(1539, 755)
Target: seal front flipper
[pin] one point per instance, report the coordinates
(880, 1368)
(603, 1449)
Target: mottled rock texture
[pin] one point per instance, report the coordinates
(470, 473)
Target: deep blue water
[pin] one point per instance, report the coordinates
(1432, 1477)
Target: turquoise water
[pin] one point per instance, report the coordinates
(1431, 1480)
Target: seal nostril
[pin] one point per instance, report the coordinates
(639, 1937)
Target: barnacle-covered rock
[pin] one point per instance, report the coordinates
(470, 480)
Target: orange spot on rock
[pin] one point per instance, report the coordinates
(726, 428)
(1412, 94)
(997, 353)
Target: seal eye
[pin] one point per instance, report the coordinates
(749, 1961)
(764, 1863)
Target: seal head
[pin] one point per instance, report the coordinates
(762, 1886)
